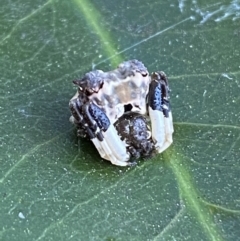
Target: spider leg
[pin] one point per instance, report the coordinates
(160, 112)
(101, 132)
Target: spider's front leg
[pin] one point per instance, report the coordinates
(101, 132)
(160, 112)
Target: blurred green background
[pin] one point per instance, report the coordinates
(54, 186)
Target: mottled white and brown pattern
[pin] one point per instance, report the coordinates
(128, 84)
(109, 108)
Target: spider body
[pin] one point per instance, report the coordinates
(109, 108)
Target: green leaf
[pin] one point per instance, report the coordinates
(54, 186)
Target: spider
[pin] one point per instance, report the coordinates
(111, 108)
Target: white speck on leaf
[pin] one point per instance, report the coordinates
(20, 215)
(226, 76)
